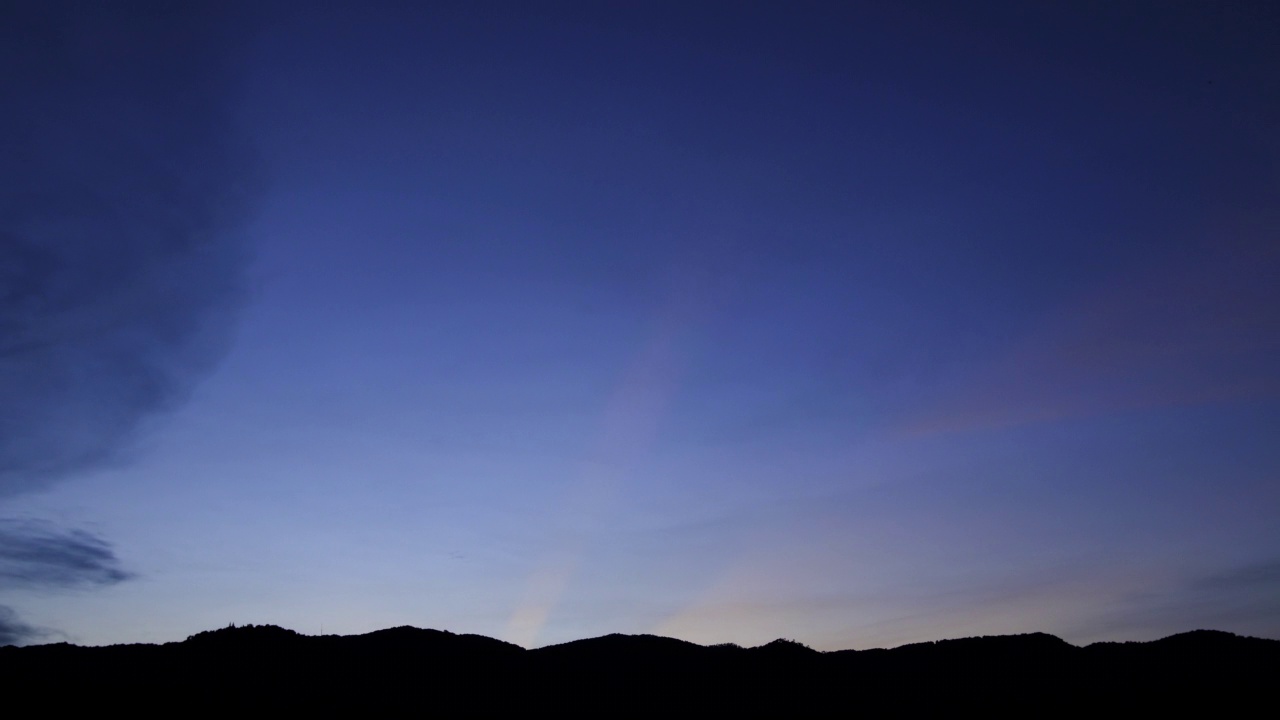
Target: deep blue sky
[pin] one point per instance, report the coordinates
(859, 324)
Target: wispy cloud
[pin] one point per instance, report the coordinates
(38, 555)
(1264, 576)
(1200, 327)
(15, 632)
(1243, 599)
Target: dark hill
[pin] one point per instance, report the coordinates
(413, 669)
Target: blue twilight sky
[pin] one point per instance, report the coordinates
(853, 323)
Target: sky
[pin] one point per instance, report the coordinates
(858, 324)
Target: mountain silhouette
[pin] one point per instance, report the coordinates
(412, 669)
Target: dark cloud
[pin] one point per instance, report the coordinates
(38, 555)
(122, 188)
(15, 632)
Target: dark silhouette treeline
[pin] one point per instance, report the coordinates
(411, 669)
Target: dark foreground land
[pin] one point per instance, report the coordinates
(431, 671)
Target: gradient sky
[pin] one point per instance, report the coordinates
(853, 323)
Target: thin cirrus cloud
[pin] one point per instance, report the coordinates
(1199, 328)
(1245, 597)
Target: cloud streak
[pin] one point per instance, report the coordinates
(1243, 599)
(15, 632)
(1199, 328)
(37, 555)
